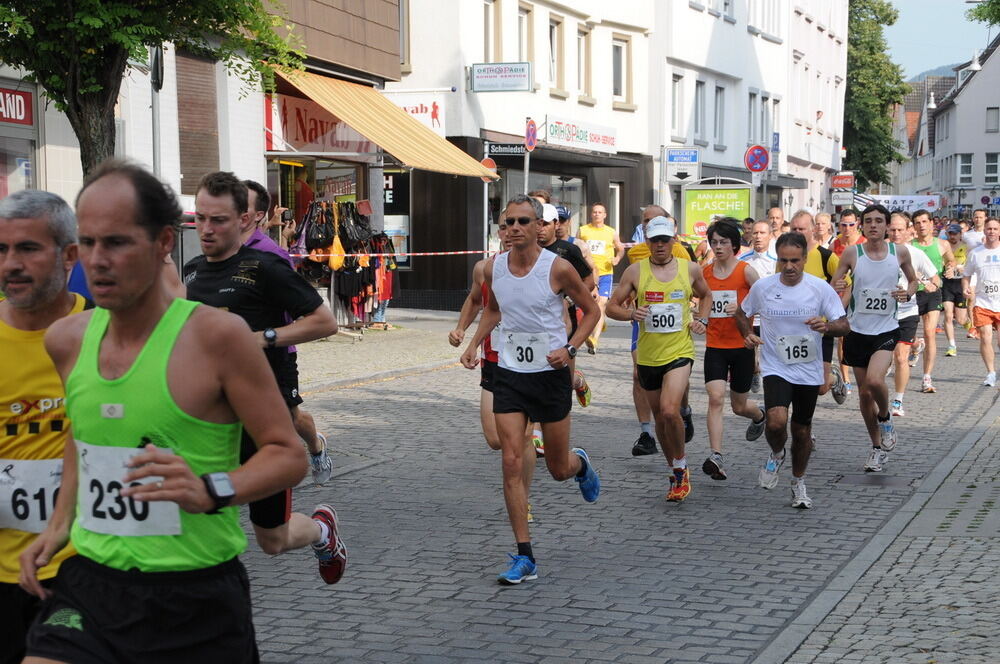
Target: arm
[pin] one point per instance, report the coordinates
(318, 324)
(312, 319)
(906, 265)
(835, 328)
(567, 281)
(619, 249)
(704, 294)
(618, 305)
(847, 262)
(489, 320)
(470, 308)
(947, 255)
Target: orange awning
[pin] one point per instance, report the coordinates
(391, 128)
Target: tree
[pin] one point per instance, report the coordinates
(987, 11)
(874, 85)
(78, 50)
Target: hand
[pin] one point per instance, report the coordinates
(640, 313)
(455, 337)
(38, 554)
(470, 358)
(751, 341)
(930, 286)
(840, 285)
(901, 295)
(558, 358)
(818, 324)
(275, 219)
(697, 326)
(968, 292)
(179, 484)
(730, 309)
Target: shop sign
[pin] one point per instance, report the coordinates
(396, 212)
(501, 77)
(572, 134)
(702, 206)
(305, 126)
(427, 108)
(842, 197)
(842, 180)
(15, 107)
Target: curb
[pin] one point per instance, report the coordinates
(323, 386)
(788, 640)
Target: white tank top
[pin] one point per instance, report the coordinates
(531, 315)
(873, 308)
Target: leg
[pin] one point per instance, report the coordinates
(298, 532)
(488, 420)
(511, 428)
(930, 339)
(949, 321)
(305, 426)
(827, 378)
(744, 406)
(901, 374)
(986, 347)
(776, 431)
(666, 406)
(716, 396)
(602, 302)
(801, 447)
(867, 404)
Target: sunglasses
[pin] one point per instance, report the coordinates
(848, 225)
(524, 221)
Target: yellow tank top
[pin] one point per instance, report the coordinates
(665, 335)
(34, 427)
(602, 246)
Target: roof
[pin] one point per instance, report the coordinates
(949, 98)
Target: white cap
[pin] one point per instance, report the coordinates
(549, 212)
(660, 226)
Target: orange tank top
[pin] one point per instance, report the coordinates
(722, 330)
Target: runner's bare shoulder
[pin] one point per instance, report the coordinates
(62, 339)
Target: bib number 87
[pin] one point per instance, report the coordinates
(118, 510)
(525, 354)
(797, 352)
(21, 506)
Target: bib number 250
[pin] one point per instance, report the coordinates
(109, 504)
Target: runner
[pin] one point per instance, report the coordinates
(976, 235)
(824, 229)
(871, 313)
(37, 248)
(762, 259)
(156, 388)
(952, 293)
(532, 379)
(901, 232)
(984, 263)
(607, 251)
(776, 218)
(260, 288)
(659, 289)
(850, 234)
(259, 202)
(928, 301)
(795, 310)
(563, 228)
(726, 356)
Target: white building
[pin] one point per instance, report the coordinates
(913, 129)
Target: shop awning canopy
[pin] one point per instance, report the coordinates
(382, 122)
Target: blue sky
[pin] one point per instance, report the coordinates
(930, 33)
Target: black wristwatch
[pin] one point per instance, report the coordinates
(271, 337)
(571, 349)
(703, 321)
(220, 490)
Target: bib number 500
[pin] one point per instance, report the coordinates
(115, 508)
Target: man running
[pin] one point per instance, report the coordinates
(824, 229)
(259, 202)
(156, 389)
(261, 287)
(984, 263)
(727, 359)
(762, 259)
(532, 382)
(871, 314)
(776, 218)
(850, 232)
(37, 249)
(607, 251)
(563, 228)
(796, 309)
(976, 235)
(660, 289)
(952, 293)
(929, 302)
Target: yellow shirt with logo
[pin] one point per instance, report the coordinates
(656, 349)
(602, 246)
(33, 426)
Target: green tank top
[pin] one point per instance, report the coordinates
(111, 419)
(933, 251)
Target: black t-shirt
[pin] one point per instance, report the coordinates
(257, 286)
(572, 253)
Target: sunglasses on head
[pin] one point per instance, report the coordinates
(524, 221)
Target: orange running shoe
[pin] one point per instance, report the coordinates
(680, 485)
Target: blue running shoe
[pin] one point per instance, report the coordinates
(521, 569)
(590, 484)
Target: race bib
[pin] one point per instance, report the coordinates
(991, 287)
(28, 491)
(526, 351)
(720, 300)
(495, 338)
(597, 246)
(102, 508)
(874, 301)
(796, 349)
(663, 318)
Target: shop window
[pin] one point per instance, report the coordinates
(565, 190)
(197, 119)
(16, 165)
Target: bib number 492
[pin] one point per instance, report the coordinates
(115, 506)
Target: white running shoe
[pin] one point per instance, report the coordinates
(875, 460)
(887, 434)
(321, 464)
(800, 498)
(915, 350)
(768, 477)
(991, 379)
(839, 389)
(896, 408)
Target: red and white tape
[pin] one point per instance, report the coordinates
(398, 253)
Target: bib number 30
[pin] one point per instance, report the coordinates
(526, 351)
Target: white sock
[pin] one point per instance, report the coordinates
(899, 397)
(927, 376)
(324, 533)
(681, 463)
(536, 433)
(798, 480)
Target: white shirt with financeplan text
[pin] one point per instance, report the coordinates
(784, 311)
(984, 264)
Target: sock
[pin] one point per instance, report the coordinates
(798, 480)
(524, 549)
(927, 376)
(882, 419)
(647, 427)
(583, 468)
(536, 433)
(324, 534)
(680, 464)
(317, 455)
(686, 412)
(899, 397)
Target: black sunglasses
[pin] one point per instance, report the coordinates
(524, 221)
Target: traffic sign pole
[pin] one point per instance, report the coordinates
(530, 141)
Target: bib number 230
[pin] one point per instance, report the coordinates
(107, 502)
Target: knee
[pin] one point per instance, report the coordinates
(493, 442)
(670, 414)
(559, 470)
(715, 401)
(511, 466)
(775, 427)
(271, 541)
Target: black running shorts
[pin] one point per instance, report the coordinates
(651, 378)
(951, 291)
(732, 364)
(927, 302)
(487, 371)
(100, 615)
(545, 396)
(779, 393)
(859, 348)
(276, 509)
(17, 611)
(908, 329)
(286, 373)
(827, 346)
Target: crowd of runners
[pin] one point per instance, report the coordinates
(139, 413)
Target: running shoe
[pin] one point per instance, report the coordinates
(539, 446)
(713, 467)
(875, 460)
(991, 379)
(531, 517)
(591, 344)
(521, 569)
(926, 386)
(644, 445)
(915, 350)
(973, 333)
(800, 498)
(680, 485)
(688, 424)
(812, 444)
(768, 477)
(951, 352)
(590, 484)
(848, 389)
(839, 389)
(332, 555)
(896, 408)
(321, 464)
(755, 429)
(583, 394)
(887, 434)
(755, 383)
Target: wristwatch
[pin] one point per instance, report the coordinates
(703, 321)
(271, 337)
(220, 490)
(571, 349)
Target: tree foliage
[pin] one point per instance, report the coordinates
(78, 50)
(987, 11)
(874, 85)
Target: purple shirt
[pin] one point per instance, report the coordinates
(261, 242)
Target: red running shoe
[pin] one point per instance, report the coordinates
(332, 556)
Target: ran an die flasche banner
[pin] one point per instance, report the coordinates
(904, 202)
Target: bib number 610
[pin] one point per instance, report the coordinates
(21, 505)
